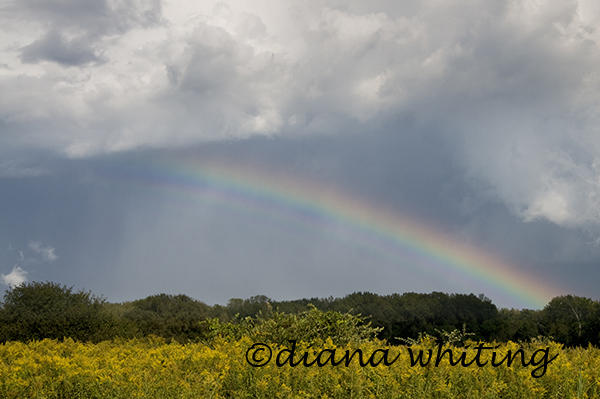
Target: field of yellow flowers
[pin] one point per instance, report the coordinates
(152, 368)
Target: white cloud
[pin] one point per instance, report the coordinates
(513, 84)
(15, 278)
(45, 251)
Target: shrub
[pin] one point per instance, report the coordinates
(312, 325)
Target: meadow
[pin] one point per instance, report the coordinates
(59, 343)
(151, 367)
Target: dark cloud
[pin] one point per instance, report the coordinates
(93, 17)
(480, 117)
(74, 30)
(56, 48)
(515, 85)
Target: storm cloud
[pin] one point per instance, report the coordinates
(515, 83)
(455, 107)
(54, 47)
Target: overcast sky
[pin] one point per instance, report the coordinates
(480, 118)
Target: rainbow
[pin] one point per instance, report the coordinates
(251, 188)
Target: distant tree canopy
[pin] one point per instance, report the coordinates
(171, 316)
(404, 315)
(49, 310)
(572, 320)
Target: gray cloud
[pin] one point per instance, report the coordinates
(514, 85)
(54, 47)
(94, 17)
(76, 31)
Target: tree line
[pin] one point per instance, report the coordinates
(38, 310)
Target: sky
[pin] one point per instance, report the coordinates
(215, 148)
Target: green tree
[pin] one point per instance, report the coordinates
(572, 320)
(169, 316)
(40, 310)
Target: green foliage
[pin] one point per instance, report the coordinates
(169, 316)
(409, 314)
(456, 338)
(572, 320)
(312, 325)
(48, 310)
(516, 325)
(258, 304)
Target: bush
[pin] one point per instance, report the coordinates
(312, 326)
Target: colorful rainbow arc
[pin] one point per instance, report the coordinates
(307, 200)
